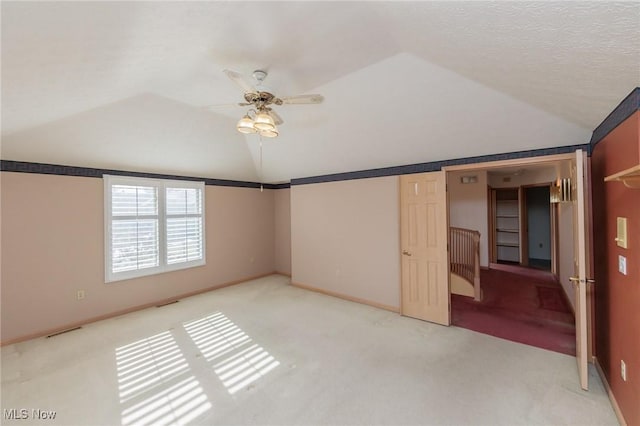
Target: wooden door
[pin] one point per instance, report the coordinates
(423, 242)
(580, 278)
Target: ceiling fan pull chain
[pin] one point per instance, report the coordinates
(261, 186)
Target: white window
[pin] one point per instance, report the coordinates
(152, 226)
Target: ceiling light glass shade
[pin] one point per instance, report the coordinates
(269, 133)
(245, 125)
(263, 121)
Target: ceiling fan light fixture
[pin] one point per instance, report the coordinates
(263, 121)
(269, 133)
(246, 125)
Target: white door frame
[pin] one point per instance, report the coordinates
(551, 159)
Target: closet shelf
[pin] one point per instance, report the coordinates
(505, 224)
(630, 177)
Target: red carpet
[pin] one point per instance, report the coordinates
(552, 299)
(522, 309)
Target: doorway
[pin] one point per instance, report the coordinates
(523, 300)
(570, 221)
(523, 223)
(538, 236)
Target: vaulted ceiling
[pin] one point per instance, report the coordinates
(123, 85)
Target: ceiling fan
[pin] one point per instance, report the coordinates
(262, 119)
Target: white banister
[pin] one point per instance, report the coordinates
(465, 257)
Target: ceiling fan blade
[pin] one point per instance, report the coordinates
(301, 99)
(239, 79)
(276, 117)
(221, 106)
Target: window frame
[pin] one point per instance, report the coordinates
(161, 186)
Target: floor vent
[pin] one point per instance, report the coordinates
(64, 331)
(168, 303)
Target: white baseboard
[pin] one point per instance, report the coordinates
(612, 398)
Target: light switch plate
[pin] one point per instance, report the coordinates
(622, 265)
(621, 234)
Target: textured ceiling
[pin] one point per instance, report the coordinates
(122, 84)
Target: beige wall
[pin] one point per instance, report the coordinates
(345, 238)
(282, 243)
(468, 207)
(53, 245)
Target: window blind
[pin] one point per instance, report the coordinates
(184, 225)
(134, 233)
(152, 226)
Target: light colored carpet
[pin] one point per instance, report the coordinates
(264, 352)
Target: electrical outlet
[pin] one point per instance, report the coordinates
(622, 265)
(80, 294)
(623, 370)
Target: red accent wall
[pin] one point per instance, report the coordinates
(617, 297)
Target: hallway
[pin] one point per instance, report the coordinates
(519, 308)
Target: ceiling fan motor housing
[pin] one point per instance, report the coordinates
(260, 99)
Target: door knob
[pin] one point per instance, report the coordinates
(406, 253)
(576, 280)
